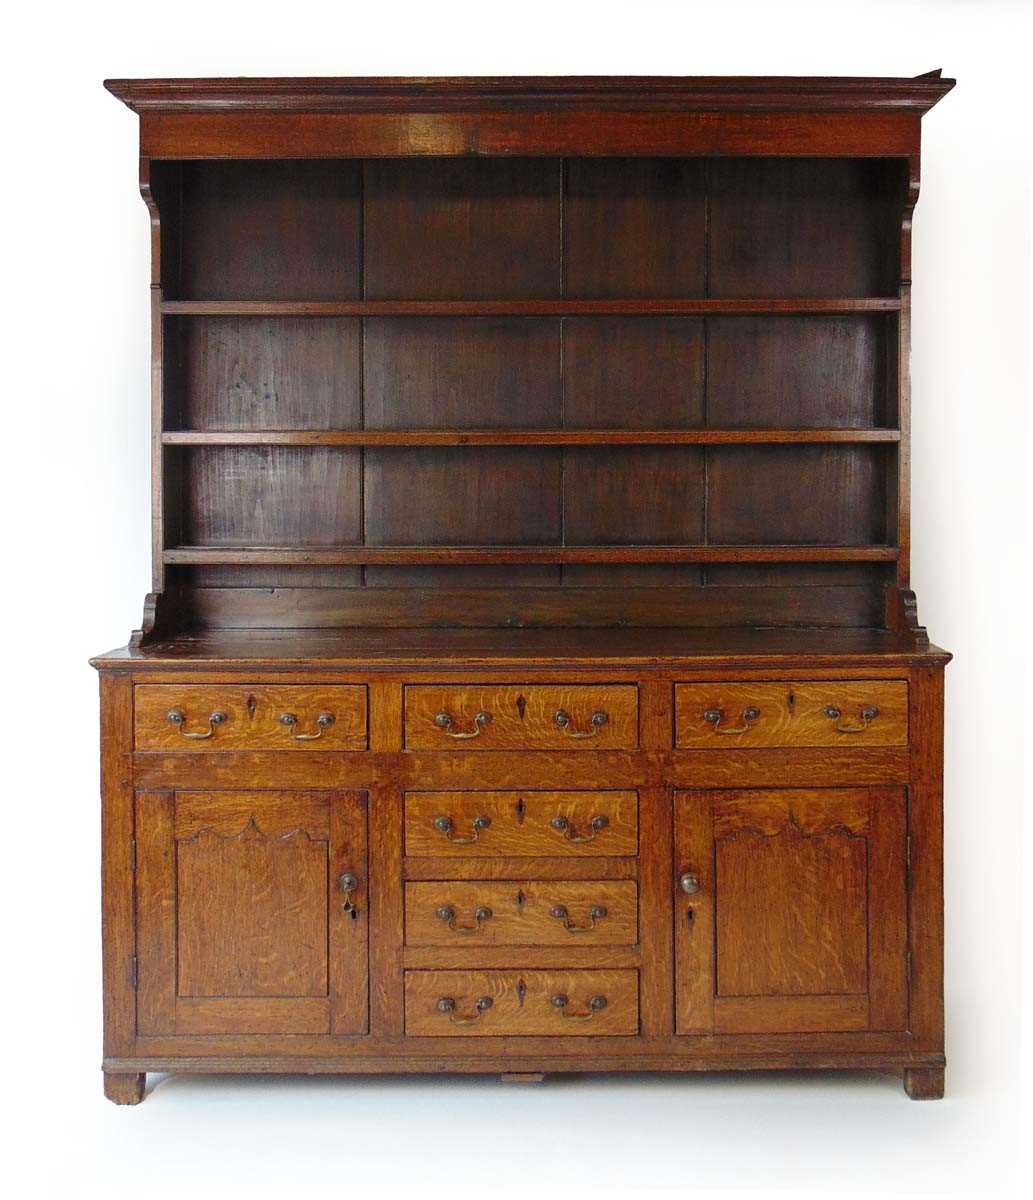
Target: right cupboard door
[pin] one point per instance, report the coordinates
(791, 914)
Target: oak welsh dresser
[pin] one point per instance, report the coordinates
(531, 680)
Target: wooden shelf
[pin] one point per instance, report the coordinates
(525, 308)
(526, 555)
(526, 437)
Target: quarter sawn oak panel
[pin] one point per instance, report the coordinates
(521, 824)
(518, 1003)
(521, 913)
(533, 717)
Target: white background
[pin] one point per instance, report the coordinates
(75, 569)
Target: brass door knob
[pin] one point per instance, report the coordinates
(689, 883)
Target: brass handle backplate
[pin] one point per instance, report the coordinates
(447, 1006)
(593, 1005)
(447, 914)
(323, 723)
(178, 718)
(565, 721)
(444, 721)
(560, 912)
(597, 824)
(866, 715)
(714, 716)
(446, 826)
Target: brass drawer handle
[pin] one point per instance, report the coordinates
(596, 913)
(714, 716)
(323, 723)
(447, 1005)
(178, 718)
(867, 714)
(447, 914)
(444, 721)
(348, 883)
(446, 826)
(594, 1005)
(565, 721)
(597, 824)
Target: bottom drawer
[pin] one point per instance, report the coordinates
(521, 1003)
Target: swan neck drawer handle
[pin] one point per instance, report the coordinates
(866, 715)
(444, 721)
(597, 824)
(594, 1005)
(560, 912)
(565, 721)
(446, 826)
(447, 914)
(447, 1006)
(714, 716)
(323, 722)
(178, 718)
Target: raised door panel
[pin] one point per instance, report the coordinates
(251, 913)
(792, 914)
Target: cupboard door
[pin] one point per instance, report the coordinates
(791, 913)
(251, 912)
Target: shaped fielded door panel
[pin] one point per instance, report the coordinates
(251, 912)
(791, 914)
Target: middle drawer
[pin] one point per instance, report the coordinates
(521, 717)
(522, 913)
(521, 824)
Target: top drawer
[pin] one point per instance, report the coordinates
(717, 716)
(243, 716)
(531, 717)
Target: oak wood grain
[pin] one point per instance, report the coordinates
(521, 912)
(252, 717)
(791, 714)
(515, 1010)
(549, 824)
(532, 717)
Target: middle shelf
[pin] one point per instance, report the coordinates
(525, 437)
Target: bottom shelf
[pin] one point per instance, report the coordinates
(514, 555)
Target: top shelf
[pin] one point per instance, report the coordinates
(526, 308)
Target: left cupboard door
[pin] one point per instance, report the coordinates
(251, 913)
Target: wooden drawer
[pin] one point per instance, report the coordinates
(520, 824)
(518, 913)
(520, 1003)
(534, 717)
(857, 712)
(243, 716)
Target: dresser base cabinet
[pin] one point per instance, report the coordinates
(516, 910)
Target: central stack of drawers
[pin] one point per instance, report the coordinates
(525, 905)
